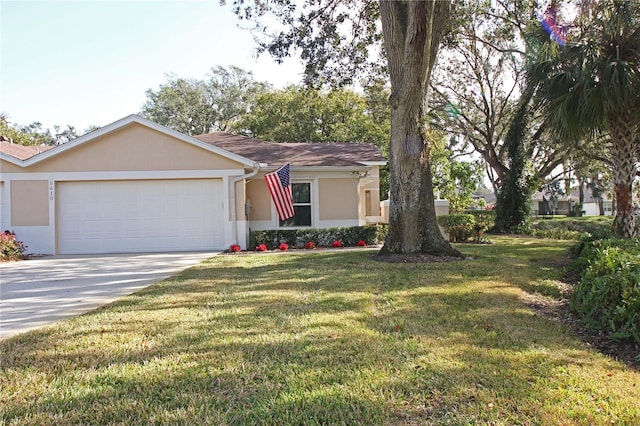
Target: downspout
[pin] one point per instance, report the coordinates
(234, 223)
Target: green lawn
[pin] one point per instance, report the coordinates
(329, 337)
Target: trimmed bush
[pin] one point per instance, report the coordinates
(10, 248)
(556, 234)
(383, 230)
(483, 221)
(321, 237)
(607, 298)
(573, 229)
(460, 227)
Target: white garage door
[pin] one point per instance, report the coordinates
(140, 216)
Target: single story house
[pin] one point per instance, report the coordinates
(136, 186)
(546, 204)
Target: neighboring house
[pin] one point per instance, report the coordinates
(136, 186)
(544, 204)
(488, 200)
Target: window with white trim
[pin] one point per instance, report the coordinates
(301, 192)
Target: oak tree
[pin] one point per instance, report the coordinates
(340, 41)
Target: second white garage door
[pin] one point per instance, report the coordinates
(140, 216)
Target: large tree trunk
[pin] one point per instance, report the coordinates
(580, 196)
(513, 200)
(624, 133)
(412, 32)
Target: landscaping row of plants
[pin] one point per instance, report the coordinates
(607, 296)
(473, 225)
(573, 228)
(285, 239)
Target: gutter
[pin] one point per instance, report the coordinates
(234, 223)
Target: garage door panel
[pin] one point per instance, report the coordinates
(139, 216)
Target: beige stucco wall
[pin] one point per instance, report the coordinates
(371, 204)
(240, 196)
(6, 167)
(260, 199)
(133, 148)
(29, 203)
(338, 198)
(372, 185)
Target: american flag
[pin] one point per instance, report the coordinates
(279, 183)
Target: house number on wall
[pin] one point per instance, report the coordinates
(51, 186)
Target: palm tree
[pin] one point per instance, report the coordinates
(593, 86)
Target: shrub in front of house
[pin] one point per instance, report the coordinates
(460, 227)
(382, 230)
(483, 220)
(349, 236)
(607, 297)
(10, 248)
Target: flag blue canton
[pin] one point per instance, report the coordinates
(284, 176)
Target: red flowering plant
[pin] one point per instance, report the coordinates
(336, 243)
(234, 248)
(310, 245)
(262, 247)
(283, 246)
(361, 243)
(10, 248)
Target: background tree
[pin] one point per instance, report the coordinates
(31, 134)
(479, 91)
(454, 180)
(593, 86)
(339, 41)
(202, 106)
(299, 114)
(591, 166)
(36, 134)
(65, 134)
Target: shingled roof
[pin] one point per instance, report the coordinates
(273, 154)
(22, 152)
(296, 154)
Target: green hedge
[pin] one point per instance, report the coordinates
(607, 298)
(573, 229)
(461, 227)
(458, 226)
(349, 236)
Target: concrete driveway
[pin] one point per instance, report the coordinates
(41, 291)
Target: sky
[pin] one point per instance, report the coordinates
(84, 63)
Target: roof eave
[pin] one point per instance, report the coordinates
(109, 128)
(329, 168)
(11, 159)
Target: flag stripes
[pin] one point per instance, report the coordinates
(279, 184)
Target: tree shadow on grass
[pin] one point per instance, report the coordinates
(340, 340)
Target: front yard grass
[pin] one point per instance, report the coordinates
(324, 338)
